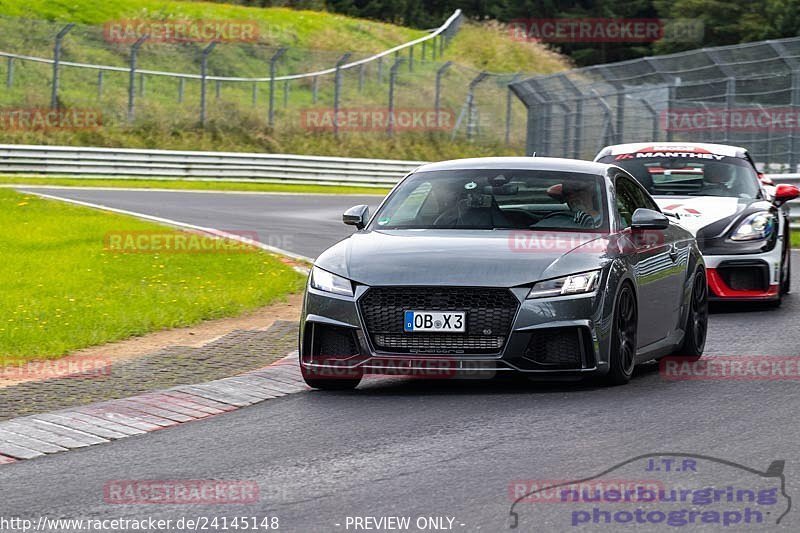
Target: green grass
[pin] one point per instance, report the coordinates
(191, 185)
(796, 239)
(62, 290)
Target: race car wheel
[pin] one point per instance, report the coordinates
(694, 338)
(317, 379)
(623, 338)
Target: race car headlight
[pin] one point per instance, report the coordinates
(755, 227)
(582, 283)
(325, 281)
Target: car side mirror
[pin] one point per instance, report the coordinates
(785, 192)
(356, 216)
(644, 219)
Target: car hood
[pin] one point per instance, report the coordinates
(498, 258)
(697, 212)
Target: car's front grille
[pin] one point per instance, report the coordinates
(489, 316)
(745, 275)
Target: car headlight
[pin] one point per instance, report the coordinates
(582, 283)
(755, 227)
(325, 281)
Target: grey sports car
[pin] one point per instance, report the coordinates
(556, 268)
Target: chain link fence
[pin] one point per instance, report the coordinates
(746, 95)
(255, 85)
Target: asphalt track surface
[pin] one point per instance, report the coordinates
(411, 447)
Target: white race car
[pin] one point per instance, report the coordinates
(740, 220)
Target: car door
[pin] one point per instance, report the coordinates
(652, 263)
(679, 243)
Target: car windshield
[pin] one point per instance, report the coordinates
(496, 199)
(689, 176)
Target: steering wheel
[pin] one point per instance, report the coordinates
(453, 213)
(570, 216)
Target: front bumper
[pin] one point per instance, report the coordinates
(751, 277)
(563, 337)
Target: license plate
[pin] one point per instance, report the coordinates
(435, 321)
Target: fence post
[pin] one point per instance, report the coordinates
(793, 135)
(99, 84)
(10, 73)
(255, 93)
(337, 87)
(217, 89)
(392, 79)
(272, 62)
(509, 95)
(56, 61)
(411, 59)
(380, 70)
(438, 92)
(471, 112)
(314, 89)
(203, 75)
(132, 76)
(361, 77)
(424, 49)
(285, 94)
(181, 87)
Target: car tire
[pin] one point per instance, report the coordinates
(622, 358)
(317, 380)
(786, 282)
(696, 328)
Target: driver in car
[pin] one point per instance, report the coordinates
(580, 199)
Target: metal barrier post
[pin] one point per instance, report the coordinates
(337, 87)
(509, 95)
(392, 80)
(472, 118)
(181, 87)
(56, 61)
(99, 84)
(203, 75)
(10, 73)
(132, 76)
(272, 62)
(437, 96)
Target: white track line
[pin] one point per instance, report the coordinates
(200, 191)
(176, 223)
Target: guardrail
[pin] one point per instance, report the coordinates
(793, 179)
(97, 163)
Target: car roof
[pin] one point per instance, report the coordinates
(519, 163)
(629, 148)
